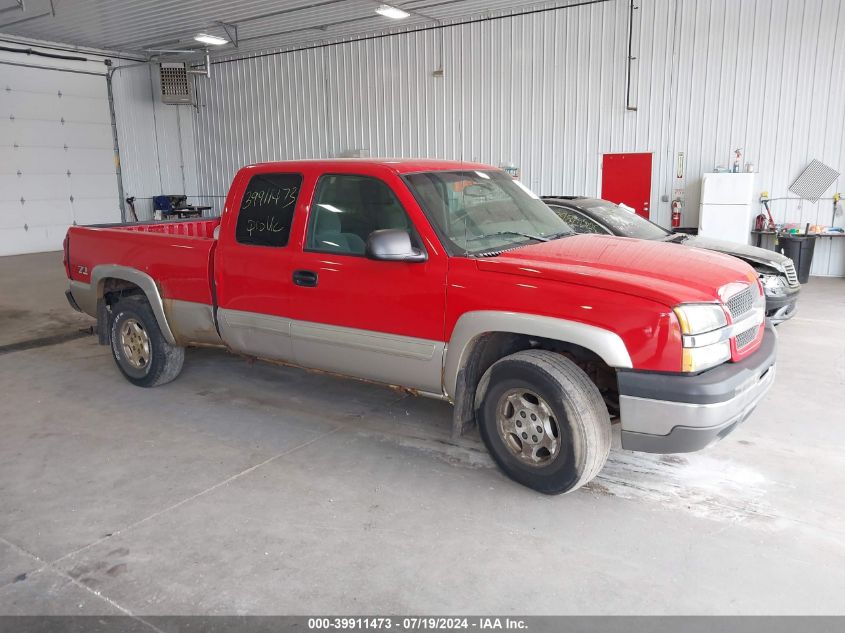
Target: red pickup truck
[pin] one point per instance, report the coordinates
(452, 280)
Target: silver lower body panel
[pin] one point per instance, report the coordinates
(387, 358)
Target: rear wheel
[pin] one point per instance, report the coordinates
(142, 354)
(543, 421)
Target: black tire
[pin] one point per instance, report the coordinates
(163, 360)
(578, 413)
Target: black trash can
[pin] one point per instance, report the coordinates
(799, 248)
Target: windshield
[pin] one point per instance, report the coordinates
(477, 211)
(623, 222)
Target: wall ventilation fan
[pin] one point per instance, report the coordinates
(175, 85)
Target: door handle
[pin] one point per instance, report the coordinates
(307, 278)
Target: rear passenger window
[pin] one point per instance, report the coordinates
(266, 212)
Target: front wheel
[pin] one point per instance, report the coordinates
(543, 421)
(142, 354)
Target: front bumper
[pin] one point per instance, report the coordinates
(677, 413)
(779, 308)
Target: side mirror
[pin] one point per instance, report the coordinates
(393, 245)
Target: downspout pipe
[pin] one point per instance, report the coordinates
(628, 105)
(113, 116)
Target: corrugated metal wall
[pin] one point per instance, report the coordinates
(767, 76)
(157, 147)
(546, 91)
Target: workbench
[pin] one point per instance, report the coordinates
(829, 257)
(759, 235)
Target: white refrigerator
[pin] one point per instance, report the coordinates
(727, 207)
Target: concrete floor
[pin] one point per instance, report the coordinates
(32, 300)
(247, 488)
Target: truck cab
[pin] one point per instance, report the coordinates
(451, 280)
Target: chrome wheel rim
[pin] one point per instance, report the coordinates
(527, 427)
(135, 343)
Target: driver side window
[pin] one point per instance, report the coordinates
(347, 208)
(579, 223)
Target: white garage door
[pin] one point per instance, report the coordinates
(57, 164)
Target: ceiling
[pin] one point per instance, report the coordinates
(146, 26)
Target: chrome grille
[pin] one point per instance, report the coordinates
(746, 338)
(791, 275)
(741, 303)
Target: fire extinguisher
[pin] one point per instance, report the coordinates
(676, 214)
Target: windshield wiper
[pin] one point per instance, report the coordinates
(676, 237)
(555, 236)
(475, 238)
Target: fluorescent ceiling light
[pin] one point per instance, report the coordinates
(392, 12)
(210, 39)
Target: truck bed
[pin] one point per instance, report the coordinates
(177, 255)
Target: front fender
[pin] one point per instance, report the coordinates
(471, 325)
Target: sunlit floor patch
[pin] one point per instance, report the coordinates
(706, 486)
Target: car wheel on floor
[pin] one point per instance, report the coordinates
(138, 346)
(543, 421)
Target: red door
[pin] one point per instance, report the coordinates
(626, 178)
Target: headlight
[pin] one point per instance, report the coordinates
(698, 318)
(701, 358)
(705, 346)
(773, 284)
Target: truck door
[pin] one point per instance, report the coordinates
(381, 320)
(253, 263)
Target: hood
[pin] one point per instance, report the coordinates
(667, 273)
(752, 254)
